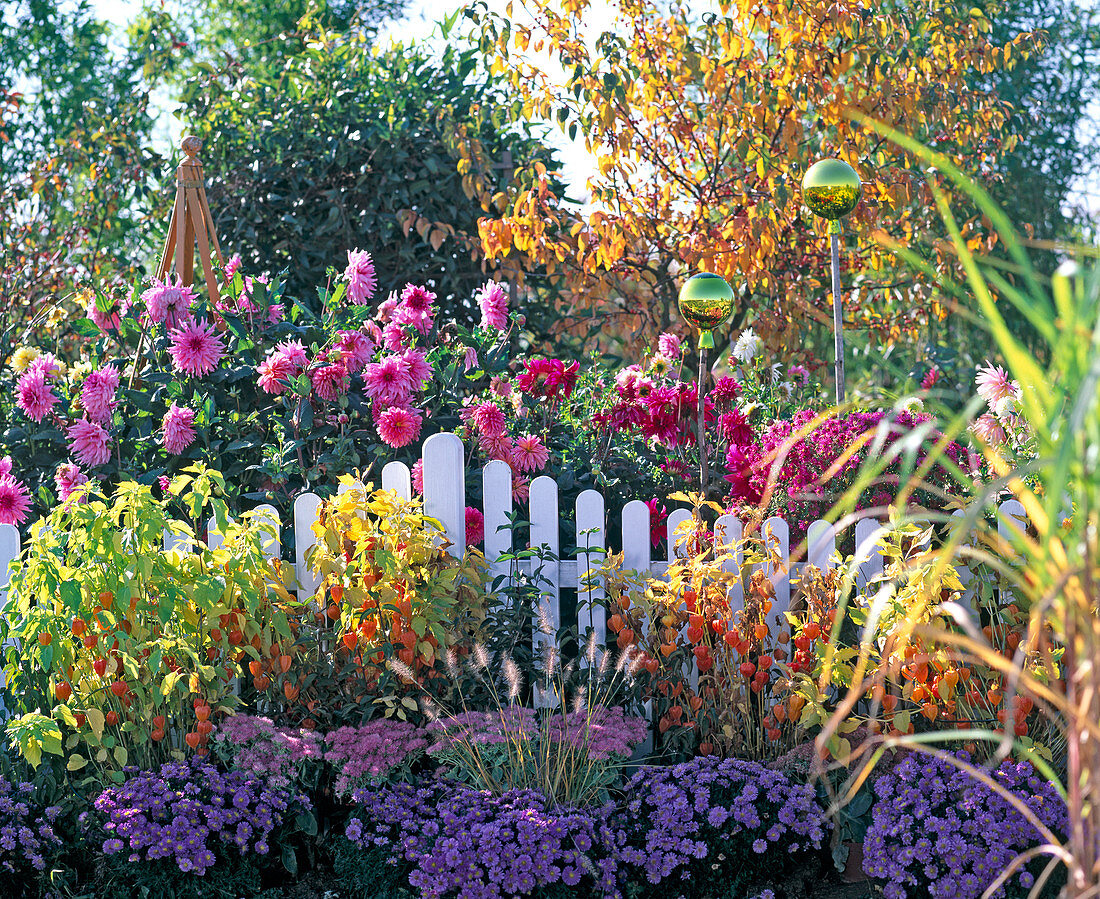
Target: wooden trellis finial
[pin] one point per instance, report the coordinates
(191, 223)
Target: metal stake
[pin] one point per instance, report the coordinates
(838, 312)
(699, 387)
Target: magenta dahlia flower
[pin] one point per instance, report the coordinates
(475, 526)
(169, 303)
(15, 500)
(388, 381)
(399, 426)
(196, 349)
(415, 308)
(33, 395)
(529, 453)
(330, 382)
(89, 442)
(488, 419)
(67, 478)
(178, 429)
(97, 395)
(361, 277)
(275, 372)
(418, 367)
(355, 349)
(418, 477)
(492, 299)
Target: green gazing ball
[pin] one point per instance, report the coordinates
(706, 301)
(831, 188)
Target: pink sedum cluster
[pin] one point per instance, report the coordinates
(255, 745)
(373, 752)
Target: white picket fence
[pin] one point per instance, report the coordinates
(445, 499)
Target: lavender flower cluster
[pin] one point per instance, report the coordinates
(188, 812)
(375, 751)
(937, 831)
(254, 745)
(694, 822)
(694, 819)
(474, 845)
(27, 833)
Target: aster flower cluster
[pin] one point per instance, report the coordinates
(256, 746)
(191, 813)
(750, 819)
(27, 835)
(379, 750)
(936, 831)
(472, 845)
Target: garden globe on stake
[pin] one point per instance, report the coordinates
(706, 301)
(831, 189)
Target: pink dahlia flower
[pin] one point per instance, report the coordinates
(735, 428)
(109, 320)
(388, 381)
(996, 387)
(930, 378)
(669, 346)
(529, 454)
(496, 446)
(15, 500)
(988, 429)
(393, 338)
(415, 308)
(97, 396)
(196, 349)
(34, 396)
(386, 307)
(295, 351)
(489, 419)
(475, 526)
(355, 349)
(361, 277)
(725, 392)
(5, 466)
(469, 359)
(178, 429)
(275, 372)
(67, 478)
(233, 266)
(89, 442)
(493, 302)
(418, 477)
(330, 382)
(399, 426)
(416, 363)
(521, 488)
(169, 303)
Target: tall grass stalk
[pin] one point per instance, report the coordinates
(1052, 568)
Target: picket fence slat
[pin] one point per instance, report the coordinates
(397, 477)
(591, 615)
(496, 488)
(305, 514)
(445, 487)
(777, 540)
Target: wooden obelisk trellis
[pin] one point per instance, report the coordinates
(191, 223)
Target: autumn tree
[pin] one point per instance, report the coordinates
(702, 127)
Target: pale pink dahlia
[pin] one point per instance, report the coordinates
(15, 500)
(330, 382)
(89, 442)
(169, 303)
(5, 466)
(989, 430)
(178, 429)
(196, 349)
(97, 396)
(493, 302)
(355, 349)
(415, 308)
(475, 526)
(669, 346)
(109, 320)
(399, 426)
(295, 351)
(361, 277)
(388, 381)
(489, 419)
(34, 396)
(529, 454)
(67, 478)
(996, 387)
(48, 364)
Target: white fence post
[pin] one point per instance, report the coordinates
(777, 539)
(397, 477)
(9, 552)
(544, 536)
(496, 488)
(445, 488)
(305, 515)
(591, 614)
